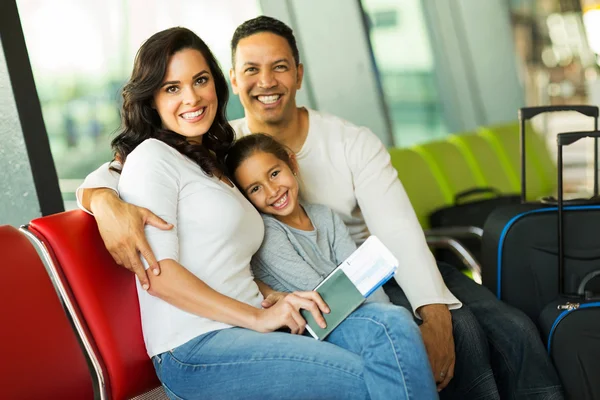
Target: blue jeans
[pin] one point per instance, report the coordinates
(376, 353)
(499, 353)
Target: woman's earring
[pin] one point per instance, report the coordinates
(295, 173)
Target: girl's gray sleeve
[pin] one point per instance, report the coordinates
(261, 274)
(343, 245)
(278, 264)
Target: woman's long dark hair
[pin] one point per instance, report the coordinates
(139, 121)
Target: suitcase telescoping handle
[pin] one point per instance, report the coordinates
(565, 139)
(526, 113)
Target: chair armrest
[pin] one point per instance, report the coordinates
(445, 242)
(459, 232)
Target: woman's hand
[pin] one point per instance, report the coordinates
(283, 310)
(121, 226)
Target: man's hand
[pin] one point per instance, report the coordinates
(121, 226)
(439, 342)
(283, 309)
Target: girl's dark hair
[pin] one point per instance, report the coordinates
(245, 147)
(139, 121)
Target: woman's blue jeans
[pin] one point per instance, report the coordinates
(376, 353)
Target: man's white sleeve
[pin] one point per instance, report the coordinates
(389, 216)
(151, 179)
(103, 177)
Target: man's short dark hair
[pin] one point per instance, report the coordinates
(264, 24)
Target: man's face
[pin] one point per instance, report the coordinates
(266, 78)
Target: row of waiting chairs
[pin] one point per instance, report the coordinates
(435, 172)
(95, 349)
(72, 326)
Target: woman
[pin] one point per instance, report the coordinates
(202, 321)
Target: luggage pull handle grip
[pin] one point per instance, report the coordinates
(526, 113)
(567, 138)
(459, 197)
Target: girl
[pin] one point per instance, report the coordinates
(202, 322)
(303, 242)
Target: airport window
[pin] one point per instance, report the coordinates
(558, 46)
(405, 63)
(385, 19)
(81, 53)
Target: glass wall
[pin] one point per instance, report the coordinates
(556, 59)
(404, 59)
(81, 53)
(556, 42)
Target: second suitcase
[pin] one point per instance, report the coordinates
(520, 243)
(570, 324)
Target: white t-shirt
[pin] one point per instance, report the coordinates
(216, 232)
(348, 169)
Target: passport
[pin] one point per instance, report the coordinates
(349, 285)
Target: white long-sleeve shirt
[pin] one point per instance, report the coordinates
(216, 232)
(348, 169)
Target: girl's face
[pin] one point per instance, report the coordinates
(269, 183)
(187, 99)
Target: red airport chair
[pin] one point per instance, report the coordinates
(41, 358)
(102, 300)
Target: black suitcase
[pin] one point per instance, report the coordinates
(570, 327)
(467, 211)
(520, 243)
(570, 324)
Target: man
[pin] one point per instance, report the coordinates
(348, 169)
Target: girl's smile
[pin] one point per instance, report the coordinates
(281, 202)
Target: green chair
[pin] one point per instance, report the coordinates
(450, 167)
(484, 162)
(420, 183)
(541, 171)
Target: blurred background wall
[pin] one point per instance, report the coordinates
(411, 70)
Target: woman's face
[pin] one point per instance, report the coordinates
(187, 99)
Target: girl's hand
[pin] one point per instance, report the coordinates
(283, 310)
(272, 299)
